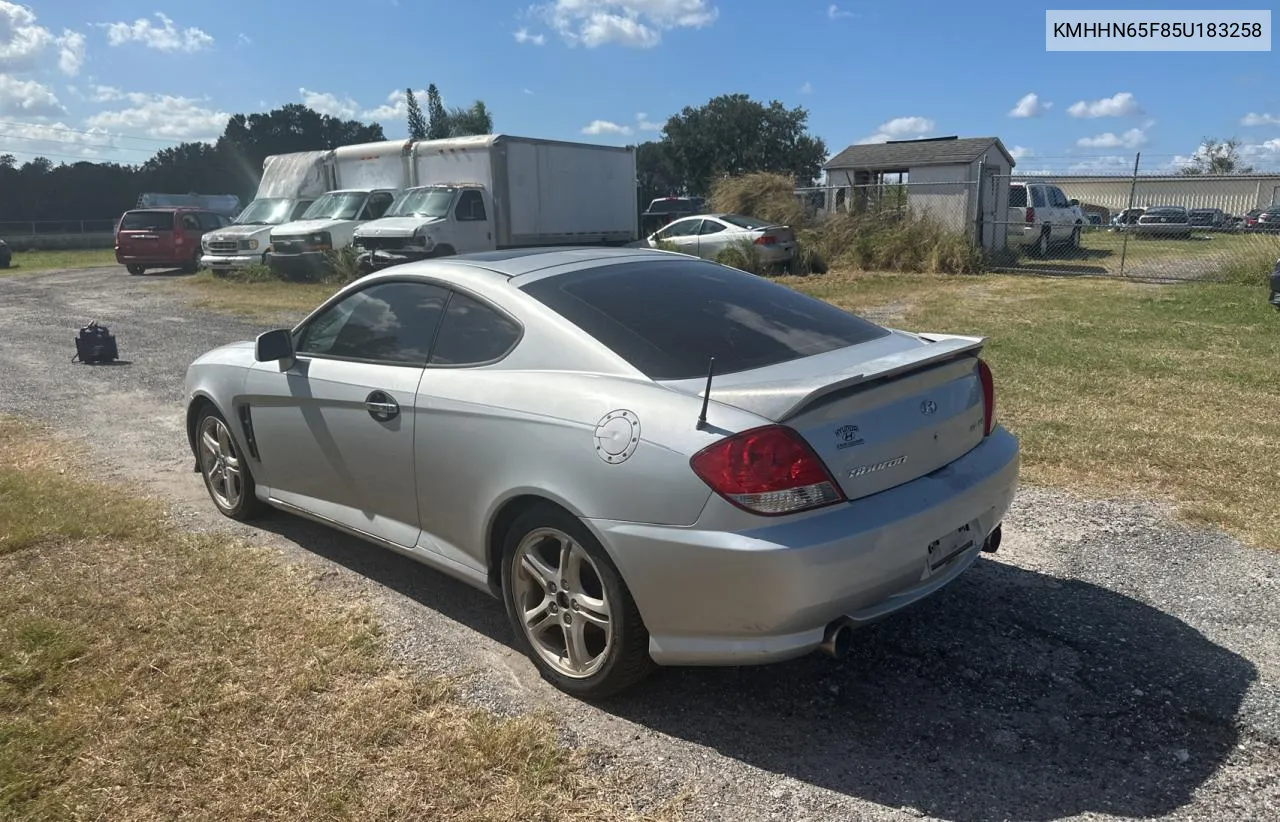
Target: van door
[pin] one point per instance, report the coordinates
(472, 229)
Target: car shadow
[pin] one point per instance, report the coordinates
(1010, 694)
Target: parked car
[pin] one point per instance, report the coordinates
(1208, 218)
(1251, 219)
(1040, 216)
(164, 237)
(1268, 220)
(1275, 286)
(665, 210)
(706, 235)
(1163, 221)
(652, 459)
(6, 254)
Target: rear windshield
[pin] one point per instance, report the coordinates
(147, 221)
(744, 222)
(668, 317)
(1017, 197)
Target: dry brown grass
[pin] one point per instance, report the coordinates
(264, 300)
(149, 674)
(1114, 387)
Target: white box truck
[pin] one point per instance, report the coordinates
(497, 191)
(290, 184)
(367, 178)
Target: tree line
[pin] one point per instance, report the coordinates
(730, 134)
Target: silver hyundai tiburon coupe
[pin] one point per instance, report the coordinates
(651, 459)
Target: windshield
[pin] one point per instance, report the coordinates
(336, 205)
(422, 202)
(270, 211)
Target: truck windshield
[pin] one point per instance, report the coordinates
(269, 211)
(336, 205)
(422, 202)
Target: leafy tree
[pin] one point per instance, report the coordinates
(437, 117)
(1217, 157)
(8, 161)
(733, 134)
(465, 122)
(656, 172)
(417, 120)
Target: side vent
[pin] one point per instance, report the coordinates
(246, 422)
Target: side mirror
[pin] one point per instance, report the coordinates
(275, 346)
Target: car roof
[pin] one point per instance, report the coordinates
(508, 264)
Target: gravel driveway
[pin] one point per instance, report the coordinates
(1106, 662)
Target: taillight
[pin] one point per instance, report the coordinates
(988, 396)
(769, 471)
(1031, 214)
(767, 239)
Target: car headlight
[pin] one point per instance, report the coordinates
(423, 240)
(250, 245)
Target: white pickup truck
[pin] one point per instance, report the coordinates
(496, 191)
(1041, 216)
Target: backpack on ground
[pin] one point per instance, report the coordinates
(95, 343)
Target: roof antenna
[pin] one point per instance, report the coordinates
(706, 394)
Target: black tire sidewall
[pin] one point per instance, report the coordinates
(629, 639)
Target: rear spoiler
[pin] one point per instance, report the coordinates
(782, 399)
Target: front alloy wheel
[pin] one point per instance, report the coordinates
(569, 607)
(225, 475)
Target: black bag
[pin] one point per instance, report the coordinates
(95, 344)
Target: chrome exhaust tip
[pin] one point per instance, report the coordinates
(993, 541)
(837, 639)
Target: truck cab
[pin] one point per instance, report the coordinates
(435, 220)
(301, 247)
(244, 242)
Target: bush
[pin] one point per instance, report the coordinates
(1252, 267)
(762, 195)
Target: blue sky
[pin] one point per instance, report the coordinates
(117, 80)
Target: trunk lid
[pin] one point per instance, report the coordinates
(147, 234)
(878, 414)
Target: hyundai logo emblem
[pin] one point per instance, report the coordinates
(928, 407)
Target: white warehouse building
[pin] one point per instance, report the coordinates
(1235, 194)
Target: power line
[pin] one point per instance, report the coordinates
(69, 130)
(7, 136)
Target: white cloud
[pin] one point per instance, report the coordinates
(1019, 153)
(397, 106)
(598, 127)
(1252, 119)
(523, 36)
(27, 98)
(103, 94)
(35, 139)
(630, 23)
(25, 45)
(164, 116)
(1107, 164)
(165, 37)
(807, 88)
(1119, 105)
(1133, 138)
(1030, 106)
(528, 91)
(643, 123)
(326, 103)
(835, 12)
(243, 39)
(901, 128)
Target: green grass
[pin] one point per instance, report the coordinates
(152, 674)
(1117, 387)
(27, 262)
(1210, 255)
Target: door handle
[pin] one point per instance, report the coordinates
(381, 406)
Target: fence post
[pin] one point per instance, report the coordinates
(979, 207)
(1133, 186)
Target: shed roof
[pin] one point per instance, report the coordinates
(897, 155)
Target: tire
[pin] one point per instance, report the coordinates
(1041, 248)
(212, 458)
(1074, 241)
(610, 659)
(135, 269)
(193, 265)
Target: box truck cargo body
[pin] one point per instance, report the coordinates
(367, 178)
(497, 191)
(290, 184)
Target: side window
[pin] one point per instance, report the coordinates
(1037, 197)
(710, 227)
(470, 207)
(1017, 197)
(1057, 199)
(209, 221)
(190, 222)
(377, 205)
(389, 322)
(680, 228)
(472, 333)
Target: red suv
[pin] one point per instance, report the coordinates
(164, 237)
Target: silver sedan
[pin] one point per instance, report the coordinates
(706, 235)
(650, 459)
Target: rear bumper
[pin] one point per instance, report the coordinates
(156, 260)
(716, 598)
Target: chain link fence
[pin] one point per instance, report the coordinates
(24, 235)
(1158, 224)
